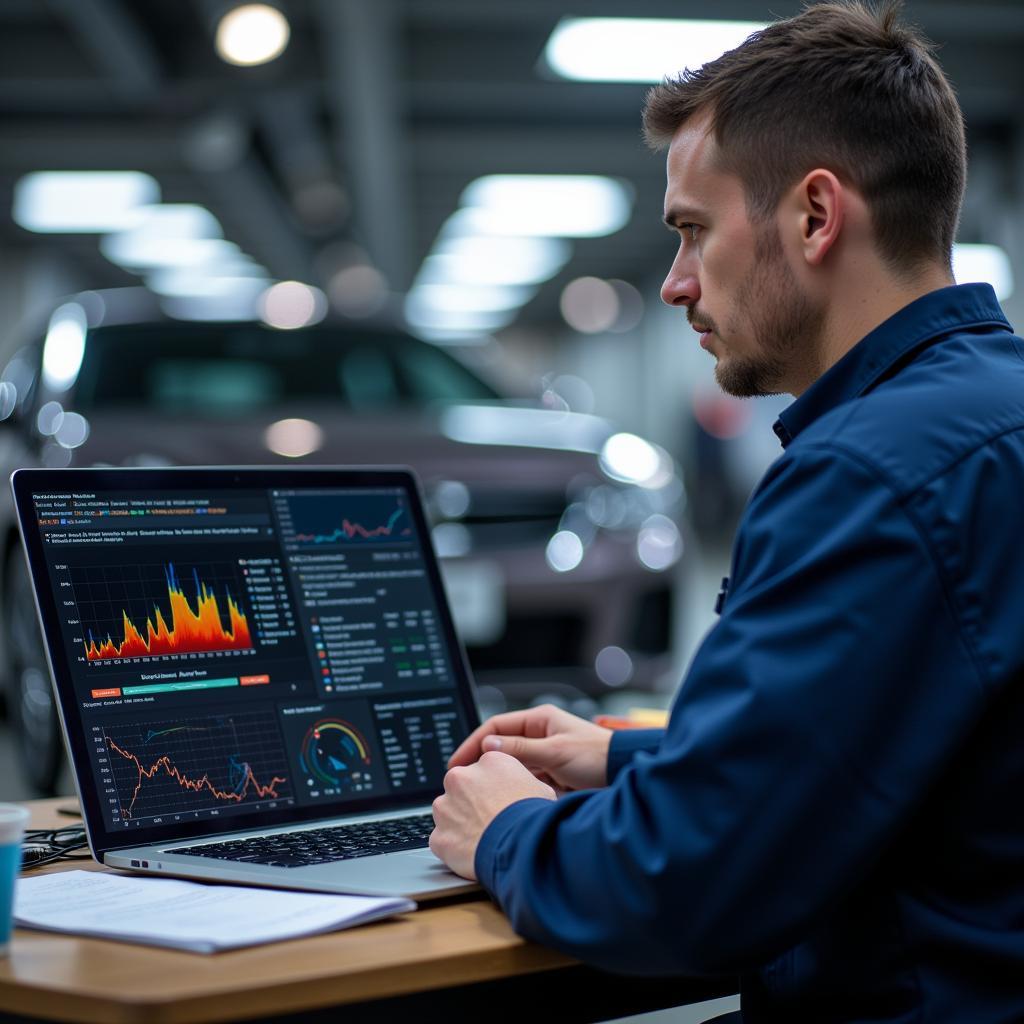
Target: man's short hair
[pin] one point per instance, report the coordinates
(842, 86)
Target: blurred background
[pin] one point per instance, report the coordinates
(408, 231)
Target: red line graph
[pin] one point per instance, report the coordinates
(195, 785)
(190, 632)
(349, 529)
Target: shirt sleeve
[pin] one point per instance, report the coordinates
(626, 743)
(831, 693)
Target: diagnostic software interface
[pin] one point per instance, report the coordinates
(250, 650)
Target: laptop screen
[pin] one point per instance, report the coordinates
(242, 648)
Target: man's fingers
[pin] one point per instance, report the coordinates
(509, 723)
(532, 753)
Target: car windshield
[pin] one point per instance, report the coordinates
(234, 369)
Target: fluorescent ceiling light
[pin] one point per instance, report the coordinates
(186, 284)
(145, 253)
(171, 235)
(456, 298)
(495, 260)
(81, 201)
(639, 49)
(252, 34)
(983, 263)
(471, 320)
(174, 220)
(568, 205)
(205, 279)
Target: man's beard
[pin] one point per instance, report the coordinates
(786, 327)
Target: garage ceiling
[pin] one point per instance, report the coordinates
(376, 117)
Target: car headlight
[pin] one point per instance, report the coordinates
(630, 459)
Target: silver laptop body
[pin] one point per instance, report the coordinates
(240, 654)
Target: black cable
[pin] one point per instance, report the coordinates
(47, 845)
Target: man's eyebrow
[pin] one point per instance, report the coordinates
(679, 215)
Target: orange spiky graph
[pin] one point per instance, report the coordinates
(190, 632)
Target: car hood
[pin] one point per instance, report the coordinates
(477, 444)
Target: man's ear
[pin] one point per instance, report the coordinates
(820, 202)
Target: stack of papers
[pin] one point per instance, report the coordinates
(186, 915)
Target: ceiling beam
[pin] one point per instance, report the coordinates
(958, 20)
(117, 44)
(302, 158)
(260, 221)
(77, 144)
(363, 76)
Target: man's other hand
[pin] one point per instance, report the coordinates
(473, 797)
(559, 748)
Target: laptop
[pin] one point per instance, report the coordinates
(256, 670)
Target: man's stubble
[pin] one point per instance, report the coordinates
(785, 322)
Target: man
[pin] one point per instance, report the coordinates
(835, 810)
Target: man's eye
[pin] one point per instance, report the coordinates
(691, 230)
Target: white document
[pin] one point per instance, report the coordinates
(186, 915)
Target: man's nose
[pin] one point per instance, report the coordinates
(681, 287)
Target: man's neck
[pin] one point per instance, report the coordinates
(857, 312)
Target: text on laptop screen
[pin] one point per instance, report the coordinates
(250, 650)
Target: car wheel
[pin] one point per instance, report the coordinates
(33, 715)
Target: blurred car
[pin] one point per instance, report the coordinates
(557, 535)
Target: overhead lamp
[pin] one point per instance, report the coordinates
(975, 262)
(566, 205)
(252, 34)
(495, 260)
(639, 49)
(81, 201)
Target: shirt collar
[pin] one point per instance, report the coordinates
(921, 323)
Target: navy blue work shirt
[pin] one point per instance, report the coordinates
(836, 809)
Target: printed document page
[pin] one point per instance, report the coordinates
(186, 915)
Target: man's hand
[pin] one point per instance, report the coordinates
(473, 798)
(559, 748)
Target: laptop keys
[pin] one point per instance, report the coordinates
(322, 845)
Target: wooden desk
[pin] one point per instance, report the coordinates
(445, 961)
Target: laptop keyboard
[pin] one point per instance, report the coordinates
(322, 845)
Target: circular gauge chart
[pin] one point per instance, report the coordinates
(335, 758)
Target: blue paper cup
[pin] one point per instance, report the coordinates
(13, 820)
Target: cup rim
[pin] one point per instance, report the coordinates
(13, 814)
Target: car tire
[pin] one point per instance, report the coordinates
(31, 709)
